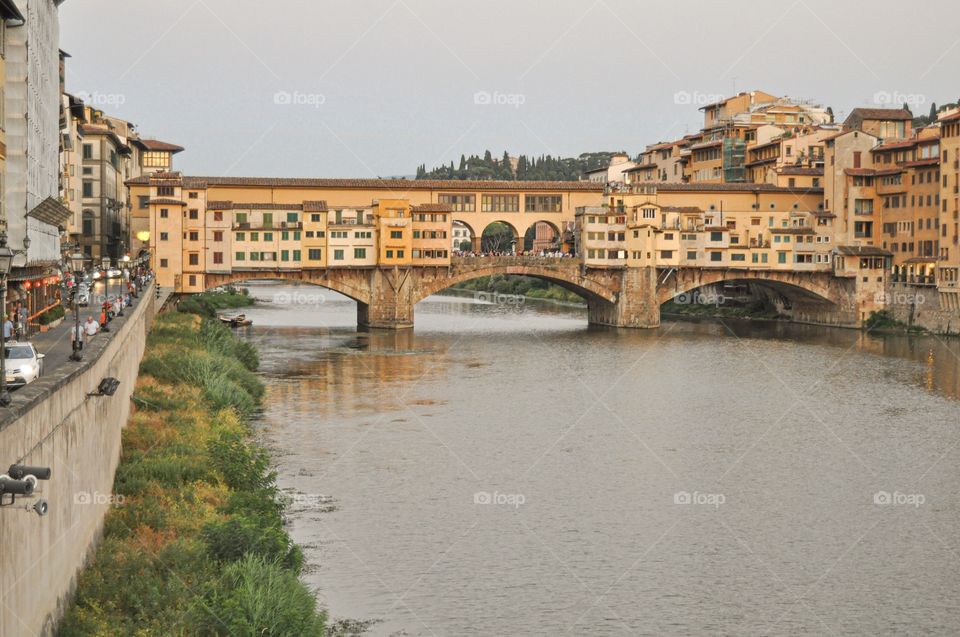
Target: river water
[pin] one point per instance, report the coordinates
(507, 470)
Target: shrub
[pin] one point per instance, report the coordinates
(258, 598)
(244, 466)
(235, 537)
(51, 315)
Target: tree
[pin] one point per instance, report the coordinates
(933, 112)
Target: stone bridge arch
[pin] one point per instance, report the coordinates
(599, 286)
(816, 297)
(354, 284)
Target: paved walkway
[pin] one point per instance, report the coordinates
(56, 344)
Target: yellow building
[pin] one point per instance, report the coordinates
(395, 230)
(342, 222)
(948, 280)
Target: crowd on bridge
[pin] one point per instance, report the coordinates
(542, 254)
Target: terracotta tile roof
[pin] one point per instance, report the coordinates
(164, 201)
(679, 187)
(641, 168)
(863, 251)
(894, 144)
(681, 209)
(157, 145)
(710, 144)
(896, 114)
(792, 231)
(433, 207)
(860, 172)
(920, 163)
(800, 170)
(314, 206)
(951, 118)
(889, 171)
(381, 184)
(823, 214)
(267, 206)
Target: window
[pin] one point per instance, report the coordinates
(313, 254)
(781, 257)
(218, 258)
(218, 215)
(399, 254)
(164, 263)
(716, 256)
(359, 253)
(218, 236)
(284, 236)
(241, 217)
(268, 236)
(500, 203)
(459, 203)
(716, 236)
(284, 255)
(194, 214)
(692, 255)
(338, 255)
(164, 213)
(143, 202)
(543, 203)
(296, 255)
(153, 159)
(88, 151)
(192, 280)
(396, 234)
(239, 256)
(254, 236)
(292, 217)
(315, 218)
(165, 191)
(193, 195)
(268, 220)
(87, 188)
(164, 236)
(389, 254)
(241, 236)
(194, 259)
(738, 256)
(649, 213)
(194, 236)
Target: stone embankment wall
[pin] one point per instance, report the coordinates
(920, 306)
(54, 422)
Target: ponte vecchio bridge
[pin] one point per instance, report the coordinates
(619, 297)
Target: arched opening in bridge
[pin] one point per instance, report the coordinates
(500, 237)
(542, 236)
(464, 237)
(744, 298)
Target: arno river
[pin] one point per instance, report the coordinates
(507, 470)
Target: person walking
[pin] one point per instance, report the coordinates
(76, 337)
(7, 328)
(91, 327)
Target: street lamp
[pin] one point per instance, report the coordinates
(6, 263)
(77, 260)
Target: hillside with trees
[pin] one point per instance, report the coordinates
(522, 168)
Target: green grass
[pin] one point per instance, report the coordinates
(209, 303)
(197, 545)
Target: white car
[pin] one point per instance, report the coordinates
(113, 273)
(24, 364)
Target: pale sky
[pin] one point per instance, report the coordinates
(337, 88)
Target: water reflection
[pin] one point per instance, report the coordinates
(602, 431)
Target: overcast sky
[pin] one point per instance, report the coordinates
(373, 88)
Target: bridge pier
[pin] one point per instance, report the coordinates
(391, 300)
(636, 305)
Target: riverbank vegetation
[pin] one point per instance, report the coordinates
(520, 286)
(883, 321)
(213, 301)
(194, 544)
